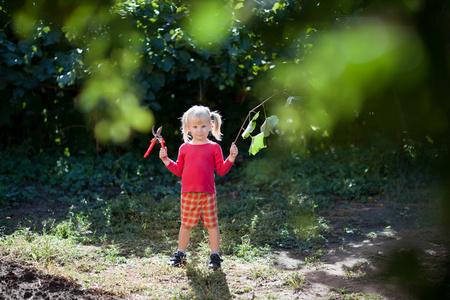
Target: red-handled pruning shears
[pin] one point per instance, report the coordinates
(157, 138)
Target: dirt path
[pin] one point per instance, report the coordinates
(403, 260)
(350, 268)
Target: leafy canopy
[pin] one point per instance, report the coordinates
(112, 67)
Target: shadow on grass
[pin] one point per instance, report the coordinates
(207, 284)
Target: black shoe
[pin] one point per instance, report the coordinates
(179, 260)
(214, 261)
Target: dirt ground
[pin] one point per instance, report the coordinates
(379, 252)
(402, 260)
(20, 282)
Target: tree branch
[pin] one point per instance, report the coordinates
(252, 111)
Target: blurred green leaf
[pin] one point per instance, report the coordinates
(349, 66)
(209, 22)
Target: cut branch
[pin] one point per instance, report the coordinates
(252, 111)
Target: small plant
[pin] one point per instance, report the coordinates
(357, 271)
(263, 273)
(295, 281)
(246, 250)
(314, 260)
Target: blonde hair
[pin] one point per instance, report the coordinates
(198, 114)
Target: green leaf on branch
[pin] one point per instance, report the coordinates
(268, 125)
(50, 36)
(167, 64)
(257, 144)
(250, 127)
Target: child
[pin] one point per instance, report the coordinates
(198, 158)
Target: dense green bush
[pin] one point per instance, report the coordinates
(64, 177)
(340, 172)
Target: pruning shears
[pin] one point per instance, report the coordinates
(156, 138)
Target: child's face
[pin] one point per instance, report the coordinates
(200, 131)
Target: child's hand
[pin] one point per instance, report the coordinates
(163, 155)
(233, 152)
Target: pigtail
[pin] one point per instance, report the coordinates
(184, 124)
(217, 123)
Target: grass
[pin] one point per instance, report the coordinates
(115, 221)
(347, 294)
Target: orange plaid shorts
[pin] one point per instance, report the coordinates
(198, 206)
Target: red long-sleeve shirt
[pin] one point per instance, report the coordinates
(196, 165)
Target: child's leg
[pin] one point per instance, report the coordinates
(183, 238)
(179, 259)
(214, 238)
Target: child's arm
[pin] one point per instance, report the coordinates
(222, 167)
(175, 167)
